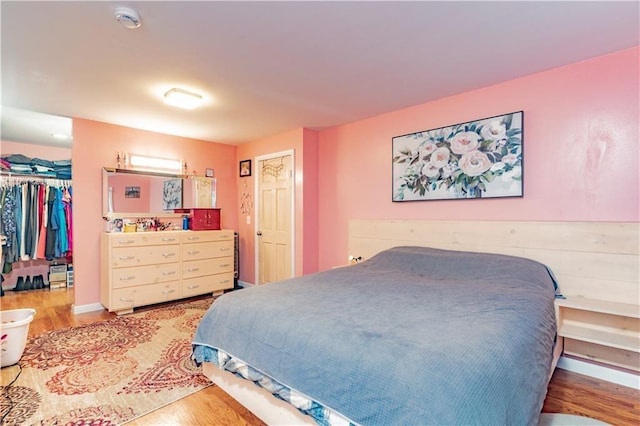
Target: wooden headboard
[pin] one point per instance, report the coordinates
(598, 260)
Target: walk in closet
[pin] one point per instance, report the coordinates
(36, 217)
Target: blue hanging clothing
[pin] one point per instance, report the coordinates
(59, 223)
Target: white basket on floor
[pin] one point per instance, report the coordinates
(14, 329)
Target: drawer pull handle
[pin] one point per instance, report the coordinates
(126, 300)
(225, 249)
(224, 282)
(193, 238)
(126, 241)
(168, 291)
(126, 257)
(168, 254)
(225, 265)
(193, 269)
(127, 278)
(193, 252)
(191, 287)
(168, 239)
(169, 273)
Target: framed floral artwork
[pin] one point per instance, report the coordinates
(478, 159)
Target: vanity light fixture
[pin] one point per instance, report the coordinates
(60, 136)
(183, 98)
(143, 162)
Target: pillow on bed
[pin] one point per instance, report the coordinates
(461, 265)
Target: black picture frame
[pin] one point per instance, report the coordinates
(245, 168)
(482, 158)
(132, 192)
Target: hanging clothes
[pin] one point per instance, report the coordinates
(62, 244)
(42, 212)
(66, 199)
(52, 226)
(35, 217)
(9, 225)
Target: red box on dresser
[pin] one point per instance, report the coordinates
(204, 219)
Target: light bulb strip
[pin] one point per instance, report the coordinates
(154, 163)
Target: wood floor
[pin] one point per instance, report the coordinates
(568, 392)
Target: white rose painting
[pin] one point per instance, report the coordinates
(478, 159)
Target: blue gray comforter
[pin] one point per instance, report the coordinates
(412, 336)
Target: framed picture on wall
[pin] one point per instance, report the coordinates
(172, 194)
(245, 168)
(476, 159)
(132, 192)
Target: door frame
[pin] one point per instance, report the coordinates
(257, 206)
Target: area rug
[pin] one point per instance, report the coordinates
(108, 372)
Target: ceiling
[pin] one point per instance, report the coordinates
(268, 67)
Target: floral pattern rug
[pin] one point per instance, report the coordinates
(108, 372)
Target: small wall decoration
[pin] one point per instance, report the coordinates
(172, 194)
(132, 192)
(245, 168)
(208, 173)
(478, 159)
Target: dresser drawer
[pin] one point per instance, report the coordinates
(207, 284)
(130, 297)
(127, 277)
(144, 239)
(207, 250)
(203, 236)
(138, 256)
(199, 268)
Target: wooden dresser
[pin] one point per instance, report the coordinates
(151, 267)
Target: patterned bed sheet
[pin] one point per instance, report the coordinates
(324, 416)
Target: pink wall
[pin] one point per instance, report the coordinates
(121, 203)
(45, 152)
(580, 153)
(304, 142)
(310, 201)
(95, 146)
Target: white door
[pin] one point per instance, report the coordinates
(274, 212)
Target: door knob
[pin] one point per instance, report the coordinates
(259, 233)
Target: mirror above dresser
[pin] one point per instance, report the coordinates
(134, 193)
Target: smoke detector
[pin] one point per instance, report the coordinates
(128, 18)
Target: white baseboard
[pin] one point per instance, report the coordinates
(83, 309)
(245, 284)
(599, 372)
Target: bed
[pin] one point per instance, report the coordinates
(411, 335)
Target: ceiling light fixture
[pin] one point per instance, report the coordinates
(182, 98)
(128, 18)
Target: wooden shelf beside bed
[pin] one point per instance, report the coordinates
(599, 330)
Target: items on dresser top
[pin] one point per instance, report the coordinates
(151, 267)
(201, 219)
